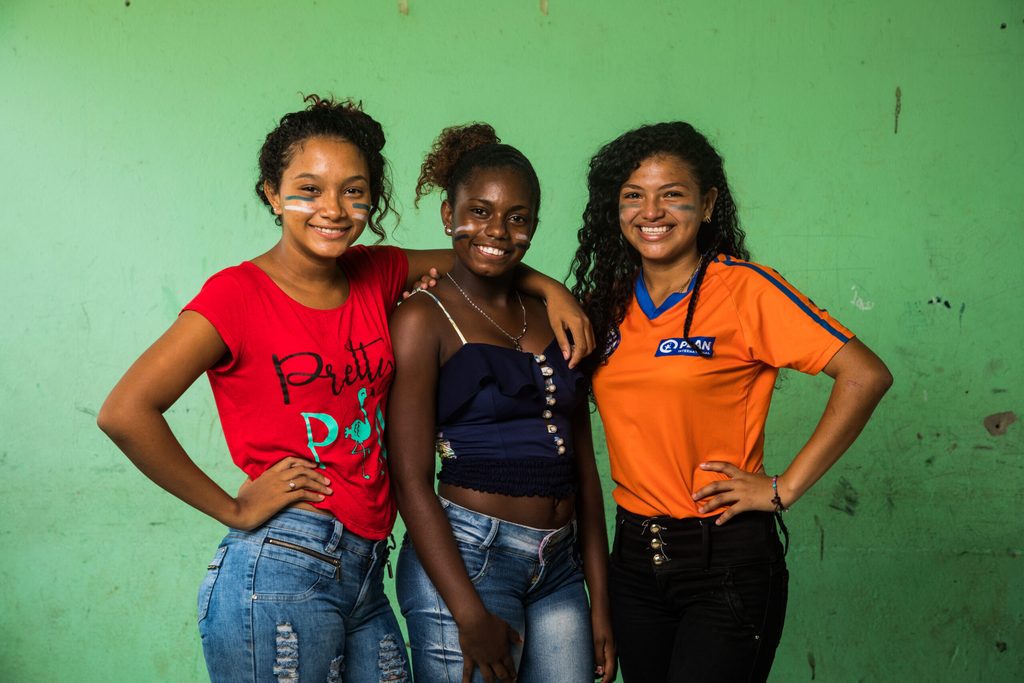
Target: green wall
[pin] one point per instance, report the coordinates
(129, 136)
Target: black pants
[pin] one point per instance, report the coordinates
(692, 601)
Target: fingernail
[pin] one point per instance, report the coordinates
(326, 481)
(322, 496)
(330, 491)
(703, 465)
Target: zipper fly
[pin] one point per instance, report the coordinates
(333, 561)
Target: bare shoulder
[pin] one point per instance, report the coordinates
(416, 311)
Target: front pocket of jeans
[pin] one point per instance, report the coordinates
(288, 570)
(206, 587)
(734, 599)
(475, 559)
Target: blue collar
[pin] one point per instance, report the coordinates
(643, 298)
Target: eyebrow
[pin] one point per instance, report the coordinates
(488, 202)
(663, 187)
(350, 179)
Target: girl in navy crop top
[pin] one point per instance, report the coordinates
(501, 552)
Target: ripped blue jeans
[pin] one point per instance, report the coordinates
(299, 598)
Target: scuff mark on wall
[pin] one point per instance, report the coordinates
(845, 498)
(403, 7)
(998, 423)
(544, 7)
(811, 663)
(859, 301)
(896, 112)
(940, 301)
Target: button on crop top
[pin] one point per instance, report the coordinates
(504, 419)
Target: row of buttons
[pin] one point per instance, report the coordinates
(549, 388)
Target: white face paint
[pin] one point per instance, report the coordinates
(521, 237)
(462, 228)
(358, 216)
(300, 208)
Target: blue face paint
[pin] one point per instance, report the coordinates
(364, 207)
(683, 207)
(298, 197)
(456, 238)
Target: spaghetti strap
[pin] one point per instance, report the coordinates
(443, 310)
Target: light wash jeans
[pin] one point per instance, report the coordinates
(531, 578)
(299, 598)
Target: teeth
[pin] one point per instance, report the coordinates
(650, 230)
(492, 251)
(329, 231)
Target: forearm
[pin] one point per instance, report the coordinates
(431, 535)
(593, 541)
(145, 437)
(852, 401)
(536, 283)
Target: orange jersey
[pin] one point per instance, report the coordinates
(665, 409)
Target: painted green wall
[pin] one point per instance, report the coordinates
(129, 135)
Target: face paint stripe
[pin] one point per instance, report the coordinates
(299, 207)
(462, 228)
(456, 238)
(364, 207)
(298, 197)
(358, 216)
(683, 207)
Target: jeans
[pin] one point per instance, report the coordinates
(529, 577)
(693, 601)
(299, 598)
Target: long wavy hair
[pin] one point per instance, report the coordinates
(605, 266)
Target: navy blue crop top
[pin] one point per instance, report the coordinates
(504, 420)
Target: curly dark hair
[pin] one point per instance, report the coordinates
(461, 150)
(605, 266)
(329, 118)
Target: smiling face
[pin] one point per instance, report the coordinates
(661, 208)
(324, 198)
(492, 220)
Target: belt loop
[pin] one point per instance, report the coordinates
(335, 541)
(492, 534)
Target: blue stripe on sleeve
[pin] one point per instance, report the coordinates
(791, 296)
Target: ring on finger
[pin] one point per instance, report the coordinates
(291, 484)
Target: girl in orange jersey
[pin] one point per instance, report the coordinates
(693, 336)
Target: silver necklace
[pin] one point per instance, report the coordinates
(514, 340)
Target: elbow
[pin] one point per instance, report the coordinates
(881, 379)
(109, 420)
(114, 418)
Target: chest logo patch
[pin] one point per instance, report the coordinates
(680, 347)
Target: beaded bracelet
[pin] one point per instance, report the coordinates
(776, 501)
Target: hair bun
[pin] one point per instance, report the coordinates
(451, 145)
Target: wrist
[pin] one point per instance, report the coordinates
(469, 616)
(782, 498)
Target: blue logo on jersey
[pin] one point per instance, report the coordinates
(681, 347)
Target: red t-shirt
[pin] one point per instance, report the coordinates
(310, 383)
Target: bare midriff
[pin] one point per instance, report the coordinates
(533, 511)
